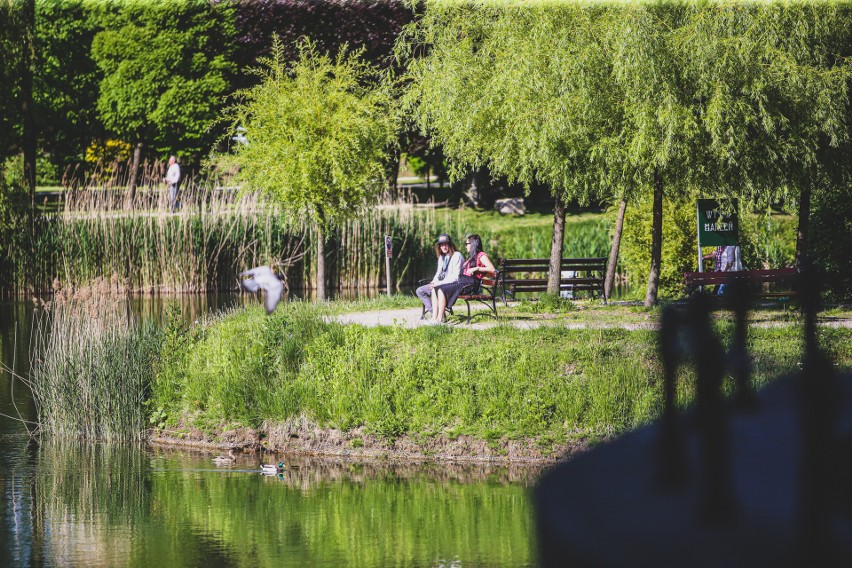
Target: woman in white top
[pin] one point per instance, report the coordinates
(449, 267)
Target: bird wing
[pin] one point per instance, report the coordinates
(250, 284)
(258, 271)
(263, 277)
(273, 294)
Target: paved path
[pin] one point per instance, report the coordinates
(410, 318)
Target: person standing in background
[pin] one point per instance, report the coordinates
(725, 259)
(172, 181)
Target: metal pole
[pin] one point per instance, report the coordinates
(698, 234)
(388, 253)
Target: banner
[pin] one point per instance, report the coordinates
(714, 227)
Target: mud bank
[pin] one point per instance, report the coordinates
(300, 437)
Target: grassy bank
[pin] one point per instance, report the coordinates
(550, 385)
(590, 373)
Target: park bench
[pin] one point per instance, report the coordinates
(530, 275)
(486, 296)
(786, 276)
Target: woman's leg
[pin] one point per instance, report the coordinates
(424, 292)
(440, 306)
(434, 306)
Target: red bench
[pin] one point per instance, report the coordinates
(487, 296)
(787, 276)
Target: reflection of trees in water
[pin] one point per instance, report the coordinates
(81, 492)
(88, 499)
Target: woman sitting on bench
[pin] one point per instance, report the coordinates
(474, 269)
(449, 267)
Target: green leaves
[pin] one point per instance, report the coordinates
(591, 99)
(317, 130)
(167, 68)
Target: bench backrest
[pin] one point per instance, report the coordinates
(756, 276)
(531, 265)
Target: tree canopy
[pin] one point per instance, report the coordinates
(317, 134)
(167, 67)
(654, 98)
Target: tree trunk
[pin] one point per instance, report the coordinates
(613, 251)
(134, 169)
(656, 243)
(27, 111)
(321, 295)
(804, 222)
(555, 273)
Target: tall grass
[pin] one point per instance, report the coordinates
(243, 367)
(91, 365)
(214, 235)
(586, 235)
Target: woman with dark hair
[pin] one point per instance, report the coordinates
(449, 267)
(474, 269)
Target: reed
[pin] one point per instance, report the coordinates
(208, 241)
(91, 365)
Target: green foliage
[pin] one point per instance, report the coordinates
(246, 367)
(680, 245)
(67, 81)
(598, 100)
(166, 68)
(514, 87)
(318, 131)
(831, 241)
(766, 241)
(11, 47)
(13, 171)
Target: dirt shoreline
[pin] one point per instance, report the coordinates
(301, 439)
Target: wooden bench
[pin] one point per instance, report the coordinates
(487, 296)
(789, 276)
(530, 275)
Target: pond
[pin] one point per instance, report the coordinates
(126, 505)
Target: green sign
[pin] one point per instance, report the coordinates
(716, 228)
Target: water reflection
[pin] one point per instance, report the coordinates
(101, 505)
(126, 505)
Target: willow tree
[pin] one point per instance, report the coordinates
(771, 86)
(730, 100)
(522, 89)
(317, 133)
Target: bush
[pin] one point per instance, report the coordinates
(767, 241)
(680, 245)
(831, 241)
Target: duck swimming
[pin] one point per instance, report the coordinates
(225, 460)
(272, 469)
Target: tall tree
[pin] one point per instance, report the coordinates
(66, 81)
(27, 111)
(318, 131)
(167, 67)
(11, 25)
(521, 89)
(771, 90)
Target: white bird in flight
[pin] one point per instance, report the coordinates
(262, 277)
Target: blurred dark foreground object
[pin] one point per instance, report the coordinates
(753, 480)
